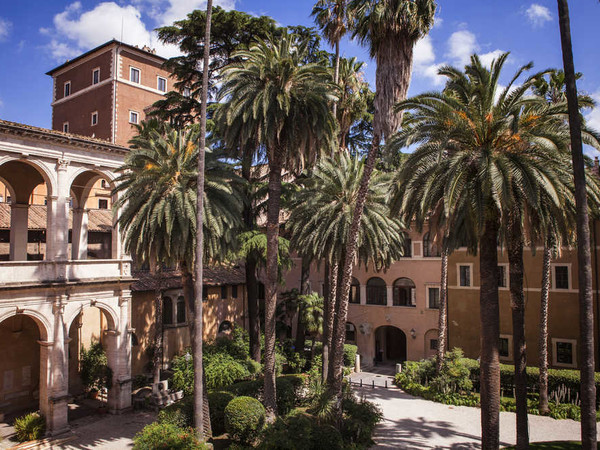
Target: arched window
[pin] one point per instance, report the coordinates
(167, 311)
(429, 247)
(225, 326)
(350, 333)
(404, 292)
(354, 291)
(180, 310)
(376, 292)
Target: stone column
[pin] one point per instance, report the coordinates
(58, 369)
(117, 250)
(363, 294)
(19, 216)
(79, 235)
(119, 359)
(390, 295)
(60, 212)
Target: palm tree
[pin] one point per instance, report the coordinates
(479, 157)
(273, 98)
(333, 17)
(200, 405)
(390, 28)
(310, 311)
(319, 223)
(354, 97)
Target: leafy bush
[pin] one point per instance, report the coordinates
(166, 436)
(289, 391)
(454, 376)
(218, 401)
(95, 373)
(220, 369)
(359, 420)
(183, 374)
(300, 431)
(244, 419)
(236, 345)
(180, 414)
(30, 427)
(350, 351)
(246, 388)
(286, 395)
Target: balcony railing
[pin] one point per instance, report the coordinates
(36, 272)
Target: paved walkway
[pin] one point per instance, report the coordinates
(413, 423)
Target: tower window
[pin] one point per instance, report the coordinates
(134, 75)
(67, 90)
(96, 76)
(161, 84)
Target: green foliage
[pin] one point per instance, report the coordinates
(166, 436)
(218, 401)
(183, 374)
(95, 373)
(359, 420)
(289, 391)
(350, 351)
(221, 370)
(180, 414)
(254, 242)
(30, 427)
(244, 419)
(300, 431)
(454, 376)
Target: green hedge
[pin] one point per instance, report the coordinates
(300, 431)
(244, 419)
(289, 391)
(218, 401)
(166, 435)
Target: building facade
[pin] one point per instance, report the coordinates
(464, 327)
(105, 92)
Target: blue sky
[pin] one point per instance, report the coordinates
(37, 35)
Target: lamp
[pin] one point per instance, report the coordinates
(413, 333)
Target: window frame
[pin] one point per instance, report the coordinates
(67, 87)
(169, 309)
(65, 127)
(234, 291)
(139, 74)
(94, 71)
(224, 292)
(137, 117)
(374, 295)
(569, 277)
(506, 276)
(180, 300)
(94, 114)
(431, 346)
(573, 343)
(158, 79)
(509, 338)
(470, 266)
(102, 200)
(439, 289)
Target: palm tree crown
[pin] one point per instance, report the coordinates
(158, 205)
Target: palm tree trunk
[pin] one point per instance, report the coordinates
(339, 330)
(545, 296)
(336, 73)
(517, 304)
(201, 422)
(300, 329)
(443, 313)
(584, 258)
(490, 336)
(328, 315)
(250, 270)
(273, 208)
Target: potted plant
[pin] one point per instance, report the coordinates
(96, 376)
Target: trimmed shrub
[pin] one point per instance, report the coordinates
(218, 401)
(350, 351)
(244, 419)
(246, 388)
(166, 436)
(30, 427)
(180, 414)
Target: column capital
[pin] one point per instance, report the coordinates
(62, 164)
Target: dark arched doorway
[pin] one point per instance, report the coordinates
(390, 345)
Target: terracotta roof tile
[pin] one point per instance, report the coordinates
(213, 276)
(98, 219)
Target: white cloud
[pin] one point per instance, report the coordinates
(592, 118)
(461, 45)
(5, 27)
(179, 9)
(76, 30)
(538, 15)
(424, 61)
(487, 58)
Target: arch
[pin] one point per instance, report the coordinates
(430, 247)
(42, 322)
(376, 291)
(350, 333)
(430, 348)
(354, 291)
(404, 292)
(82, 183)
(48, 176)
(112, 317)
(390, 344)
(225, 326)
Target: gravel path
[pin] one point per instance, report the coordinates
(413, 423)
